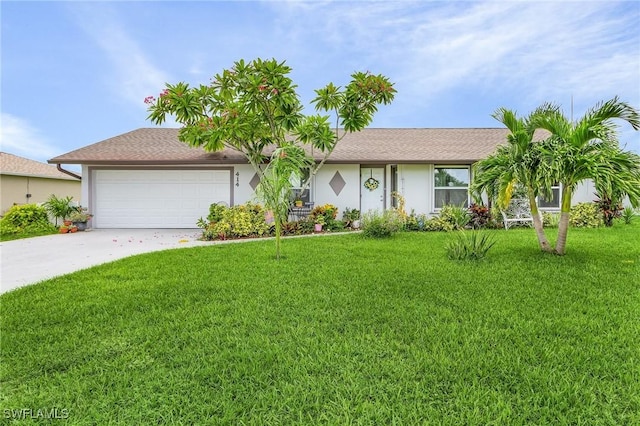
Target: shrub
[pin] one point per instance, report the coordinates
(585, 215)
(550, 220)
(22, 216)
(328, 211)
(479, 216)
(497, 221)
(437, 224)
(216, 211)
(469, 246)
(244, 220)
(457, 216)
(381, 225)
(307, 225)
(415, 222)
(627, 215)
(291, 228)
(25, 218)
(349, 216)
(610, 209)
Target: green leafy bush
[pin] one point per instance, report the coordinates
(457, 216)
(585, 215)
(381, 225)
(244, 220)
(437, 224)
(22, 216)
(415, 222)
(26, 218)
(216, 211)
(349, 216)
(627, 215)
(469, 246)
(550, 220)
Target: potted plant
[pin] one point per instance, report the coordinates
(319, 222)
(59, 208)
(79, 217)
(351, 218)
(73, 229)
(63, 229)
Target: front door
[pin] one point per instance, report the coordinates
(371, 189)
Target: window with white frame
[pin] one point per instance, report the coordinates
(298, 192)
(451, 186)
(554, 202)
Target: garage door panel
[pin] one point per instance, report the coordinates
(157, 198)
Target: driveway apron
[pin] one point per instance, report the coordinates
(31, 260)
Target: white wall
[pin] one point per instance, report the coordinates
(243, 192)
(415, 184)
(584, 193)
(349, 197)
(84, 191)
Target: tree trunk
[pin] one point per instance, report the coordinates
(563, 226)
(278, 232)
(537, 224)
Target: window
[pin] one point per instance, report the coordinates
(451, 186)
(297, 192)
(554, 202)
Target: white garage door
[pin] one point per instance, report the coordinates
(157, 198)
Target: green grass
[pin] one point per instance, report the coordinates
(9, 236)
(343, 330)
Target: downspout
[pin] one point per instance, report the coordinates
(67, 172)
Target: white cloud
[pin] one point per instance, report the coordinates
(18, 137)
(134, 74)
(540, 49)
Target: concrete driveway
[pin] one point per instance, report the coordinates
(30, 260)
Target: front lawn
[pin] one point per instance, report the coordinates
(343, 330)
(20, 234)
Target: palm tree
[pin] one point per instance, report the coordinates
(519, 162)
(588, 149)
(275, 184)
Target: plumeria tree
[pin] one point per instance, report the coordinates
(254, 108)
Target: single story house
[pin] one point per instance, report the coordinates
(147, 178)
(24, 181)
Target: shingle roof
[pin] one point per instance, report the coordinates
(161, 146)
(19, 166)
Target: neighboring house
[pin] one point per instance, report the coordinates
(24, 181)
(147, 178)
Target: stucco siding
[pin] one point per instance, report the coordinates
(14, 190)
(242, 176)
(584, 193)
(347, 197)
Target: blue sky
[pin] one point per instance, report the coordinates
(75, 73)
